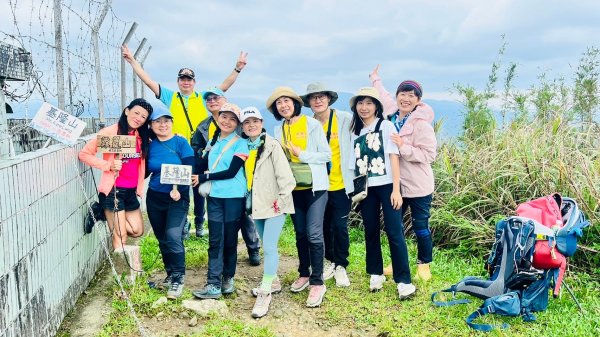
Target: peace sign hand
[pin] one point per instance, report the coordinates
(242, 60)
(127, 55)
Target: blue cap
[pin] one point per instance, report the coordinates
(160, 112)
(213, 91)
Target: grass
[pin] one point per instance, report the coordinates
(383, 313)
(354, 308)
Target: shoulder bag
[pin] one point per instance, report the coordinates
(301, 171)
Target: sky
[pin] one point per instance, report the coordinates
(293, 43)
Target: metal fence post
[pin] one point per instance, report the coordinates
(123, 82)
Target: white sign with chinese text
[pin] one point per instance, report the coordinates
(57, 124)
(175, 174)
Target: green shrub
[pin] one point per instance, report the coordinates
(484, 175)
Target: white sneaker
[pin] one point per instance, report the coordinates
(261, 306)
(376, 282)
(341, 278)
(406, 290)
(328, 270)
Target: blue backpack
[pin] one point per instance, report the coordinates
(511, 271)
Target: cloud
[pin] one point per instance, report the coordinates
(337, 42)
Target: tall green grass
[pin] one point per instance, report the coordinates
(550, 144)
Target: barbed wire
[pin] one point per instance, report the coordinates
(35, 33)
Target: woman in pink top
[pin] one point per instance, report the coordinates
(417, 144)
(123, 175)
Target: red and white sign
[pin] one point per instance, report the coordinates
(58, 124)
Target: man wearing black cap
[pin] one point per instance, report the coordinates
(188, 109)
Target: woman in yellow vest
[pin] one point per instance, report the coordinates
(306, 147)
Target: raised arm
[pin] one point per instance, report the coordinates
(139, 71)
(239, 66)
(389, 102)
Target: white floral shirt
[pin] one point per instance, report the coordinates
(374, 161)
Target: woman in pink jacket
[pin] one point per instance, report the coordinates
(417, 144)
(123, 175)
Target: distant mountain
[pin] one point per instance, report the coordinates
(448, 111)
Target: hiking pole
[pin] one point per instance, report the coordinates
(573, 295)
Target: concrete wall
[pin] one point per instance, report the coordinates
(46, 261)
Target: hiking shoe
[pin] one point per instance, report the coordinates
(199, 230)
(388, 271)
(166, 283)
(227, 286)
(275, 287)
(406, 290)
(423, 272)
(261, 306)
(315, 295)
(176, 287)
(328, 270)
(341, 278)
(376, 282)
(186, 230)
(254, 257)
(209, 291)
(300, 284)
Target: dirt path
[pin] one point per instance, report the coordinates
(288, 317)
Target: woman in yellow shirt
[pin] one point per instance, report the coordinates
(304, 141)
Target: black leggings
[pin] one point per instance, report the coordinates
(167, 218)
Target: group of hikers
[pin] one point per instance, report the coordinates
(310, 167)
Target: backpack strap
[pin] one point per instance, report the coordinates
(378, 125)
(454, 301)
(483, 327)
(331, 112)
(186, 113)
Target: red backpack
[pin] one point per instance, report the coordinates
(546, 211)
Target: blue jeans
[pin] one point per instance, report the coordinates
(223, 224)
(270, 231)
(308, 224)
(378, 198)
(419, 212)
(167, 218)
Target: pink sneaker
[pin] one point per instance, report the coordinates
(300, 284)
(315, 296)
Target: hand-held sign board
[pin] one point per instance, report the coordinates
(176, 174)
(116, 144)
(57, 124)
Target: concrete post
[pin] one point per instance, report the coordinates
(95, 32)
(142, 59)
(60, 75)
(5, 137)
(123, 82)
(135, 56)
